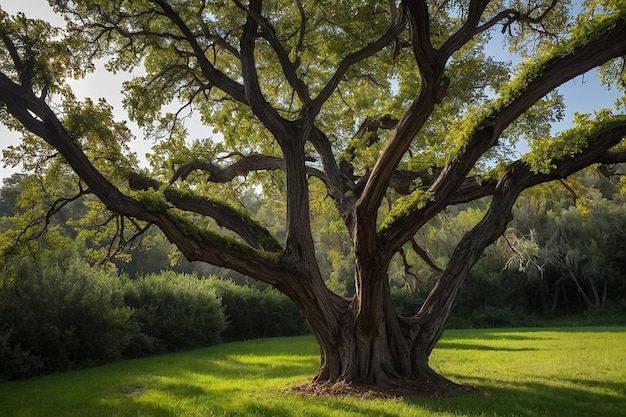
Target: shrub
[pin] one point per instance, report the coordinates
(175, 311)
(489, 316)
(405, 302)
(59, 313)
(253, 313)
(16, 362)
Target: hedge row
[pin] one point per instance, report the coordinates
(61, 313)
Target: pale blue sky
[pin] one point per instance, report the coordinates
(583, 94)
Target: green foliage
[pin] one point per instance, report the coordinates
(58, 313)
(494, 317)
(406, 303)
(47, 58)
(9, 195)
(545, 152)
(414, 201)
(180, 311)
(16, 361)
(253, 313)
(104, 141)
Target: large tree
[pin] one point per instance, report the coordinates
(395, 109)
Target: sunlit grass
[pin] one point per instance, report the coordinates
(522, 372)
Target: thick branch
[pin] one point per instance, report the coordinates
(338, 183)
(242, 167)
(427, 57)
(518, 177)
(36, 116)
(254, 95)
(226, 216)
(289, 68)
(431, 68)
(554, 72)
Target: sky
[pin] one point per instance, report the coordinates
(583, 94)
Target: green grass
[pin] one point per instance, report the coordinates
(520, 372)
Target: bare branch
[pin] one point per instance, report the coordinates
(44, 222)
(407, 267)
(242, 167)
(424, 255)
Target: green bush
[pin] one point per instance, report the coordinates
(405, 302)
(60, 313)
(175, 311)
(489, 317)
(16, 362)
(253, 313)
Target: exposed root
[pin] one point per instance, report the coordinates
(407, 390)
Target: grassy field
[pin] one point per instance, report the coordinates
(520, 372)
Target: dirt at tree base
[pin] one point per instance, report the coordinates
(347, 389)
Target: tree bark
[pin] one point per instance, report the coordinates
(375, 347)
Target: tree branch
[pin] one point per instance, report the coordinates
(469, 29)
(603, 137)
(543, 78)
(424, 255)
(370, 49)
(216, 77)
(242, 167)
(254, 95)
(226, 216)
(196, 245)
(518, 177)
(44, 221)
(288, 67)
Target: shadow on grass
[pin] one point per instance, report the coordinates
(238, 380)
(578, 399)
(566, 398)
(528, 400)
(471, 346)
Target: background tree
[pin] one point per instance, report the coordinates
(394, 109)
(570, 242)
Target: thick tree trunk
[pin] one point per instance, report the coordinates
(369, 345)
(365, 342)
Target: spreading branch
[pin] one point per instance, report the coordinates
(549, 75)
(225, 216)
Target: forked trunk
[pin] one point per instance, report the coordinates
(374, 347)
(371, 345)
(363, 341)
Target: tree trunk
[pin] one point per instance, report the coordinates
(557, 291)
(364, 343)
(581, 291)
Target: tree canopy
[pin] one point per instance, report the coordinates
(385, 113)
